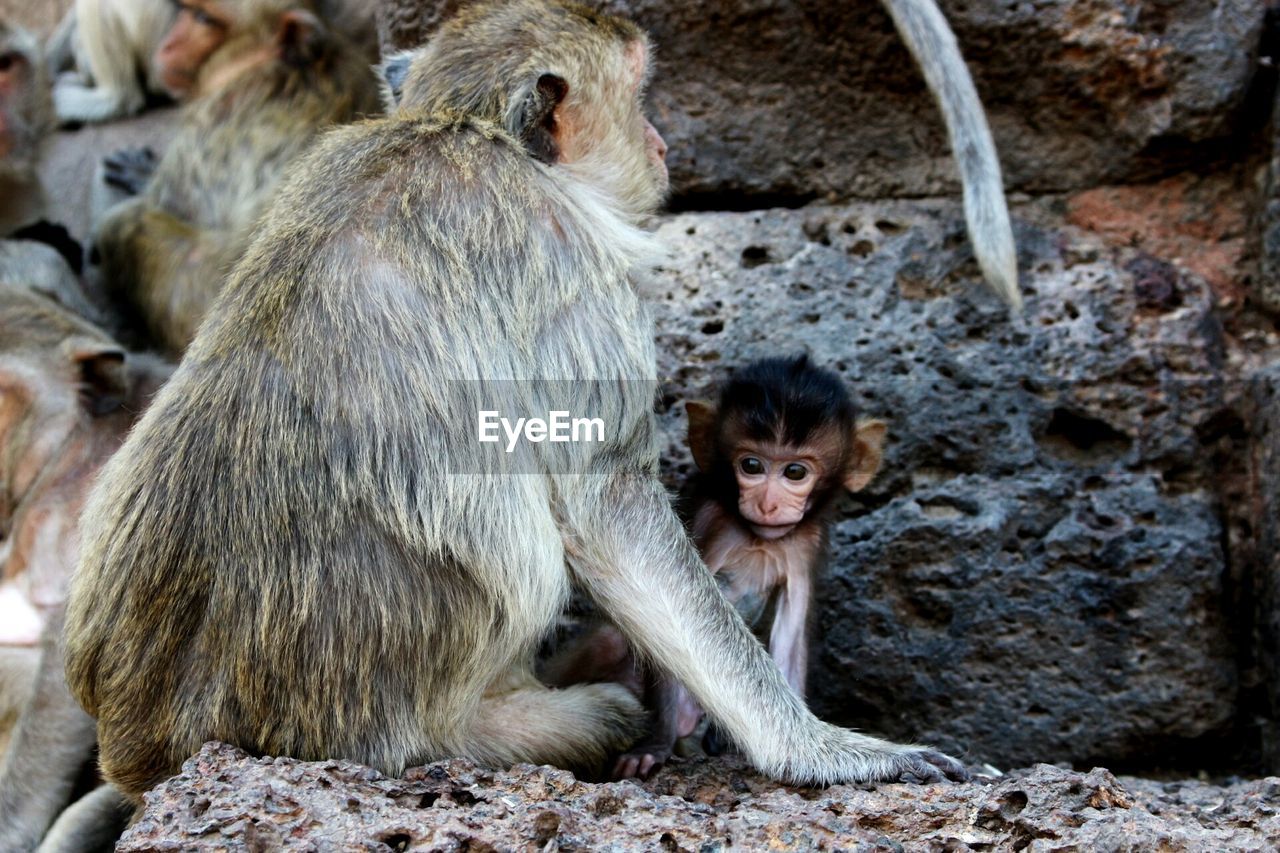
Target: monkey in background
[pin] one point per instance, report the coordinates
(104, 50)
(263, 79)
(33, 252)
(333, 583)
(26, 120)
(101, 47)
(68, 395)
(773, 454)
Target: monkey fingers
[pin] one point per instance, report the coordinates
(642, 762)
(129, 169)
(929, 765)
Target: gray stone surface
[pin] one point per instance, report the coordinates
(224, 800)
(1267, 291)
(801, 99)
(1262, 607)
(1038, 572)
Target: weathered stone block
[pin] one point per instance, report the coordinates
(803, 99)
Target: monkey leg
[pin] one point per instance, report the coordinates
(601, 653)
(642, 759)
(665, 600)
(92, 823)
(577, 727)
(116, 89)
(19, 671)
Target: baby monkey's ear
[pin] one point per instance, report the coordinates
(702, 425)
(868, 453)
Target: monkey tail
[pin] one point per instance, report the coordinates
(929, 38)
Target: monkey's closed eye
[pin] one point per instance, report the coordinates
(795, 471)
(751, 465)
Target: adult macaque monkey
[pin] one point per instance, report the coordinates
(105, 49)
(68, 395)
(299, 550)
(774, 453)
(264, 78)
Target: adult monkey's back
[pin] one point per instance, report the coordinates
(294, 551)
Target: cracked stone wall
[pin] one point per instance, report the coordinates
(1038, 572)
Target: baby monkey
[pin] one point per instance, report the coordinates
(773, 454)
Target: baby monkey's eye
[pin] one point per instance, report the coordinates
(751, 465)
(795, 471)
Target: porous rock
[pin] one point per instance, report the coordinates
(1037, 574)
(801, 99)
(1264, 520)
(1268, 219)
(225, 800)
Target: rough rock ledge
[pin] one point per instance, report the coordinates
(227, 800)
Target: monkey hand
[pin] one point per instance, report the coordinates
(846, 756)
(928, 765)
(129, 169)
(641, 762)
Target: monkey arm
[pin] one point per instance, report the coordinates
(667, 603)
(788, 641)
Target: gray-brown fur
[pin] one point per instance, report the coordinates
(166, 253)
(285, 555)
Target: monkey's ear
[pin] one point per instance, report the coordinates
(300, 37)
(535, 120)
(868, 452)
(103, 378)
(702, 425)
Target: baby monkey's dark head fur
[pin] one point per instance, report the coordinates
(781, 442)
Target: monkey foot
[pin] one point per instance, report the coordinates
(928, 765)
(640, 763)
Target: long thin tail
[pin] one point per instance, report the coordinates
(929, 38)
